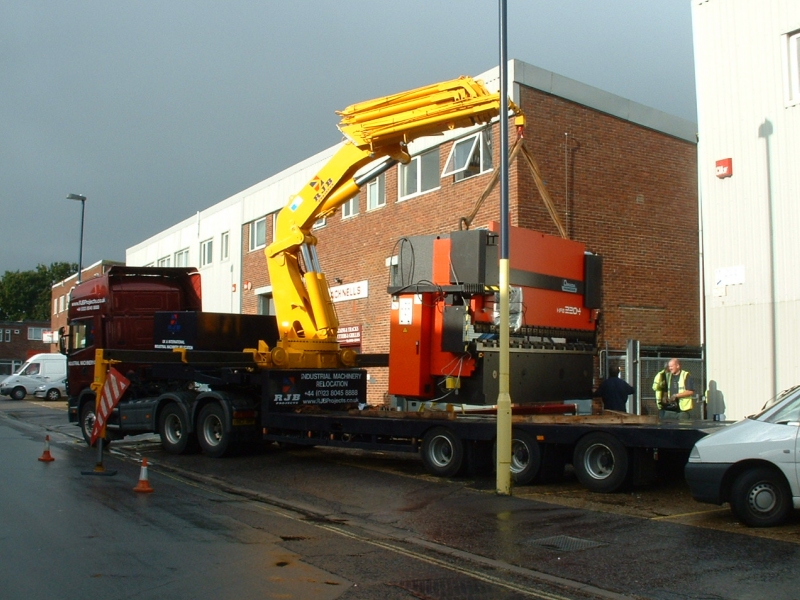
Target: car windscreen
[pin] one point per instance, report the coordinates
(784, 408)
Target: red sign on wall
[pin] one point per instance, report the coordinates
(349, 335)
(725, 168)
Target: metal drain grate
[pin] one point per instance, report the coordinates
(565, 543)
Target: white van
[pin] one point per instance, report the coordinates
(38, 370)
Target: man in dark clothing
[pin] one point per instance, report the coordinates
(614, 391)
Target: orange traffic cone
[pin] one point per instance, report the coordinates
(144, 484)
(46, 456)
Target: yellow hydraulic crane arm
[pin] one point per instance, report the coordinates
(377, 128)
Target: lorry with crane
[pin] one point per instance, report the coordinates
(215, 381)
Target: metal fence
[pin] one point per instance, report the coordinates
(639, 366)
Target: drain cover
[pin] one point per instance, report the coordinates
(565, 543)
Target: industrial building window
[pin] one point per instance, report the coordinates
(35, 333)
(8, 335)
(792, 62)
(266, 305)
(469, 156)
(61, 304)
(224, 243)
(258, 234)
(182, 258)
(206, 253)
(320, 223)
(420, 175)
(350, 208)
(55, 306)
(376, 192)
(164, 262)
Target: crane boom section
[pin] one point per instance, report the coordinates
(374, 129)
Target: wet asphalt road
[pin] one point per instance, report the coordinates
(380, 521)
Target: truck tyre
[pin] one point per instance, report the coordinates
(442, 452)
(601, 462)
(18, 393)
(213, 436)
(173, 427)
(52, 395)
(87, 423)
(760, 497)
(526, 459)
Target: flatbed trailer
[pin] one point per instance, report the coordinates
(236, 403)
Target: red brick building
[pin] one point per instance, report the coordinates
(19, 340)
(623, 179)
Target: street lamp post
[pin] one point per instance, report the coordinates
(80, 247)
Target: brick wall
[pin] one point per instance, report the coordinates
(19, 347)
(629, 193)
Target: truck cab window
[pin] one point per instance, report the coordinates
(81, 336)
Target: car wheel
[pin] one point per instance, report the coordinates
(442, 452)
(213, 436)
(52, 395)
(173, 427)
(760, 497)
(18, 393)
(601, 462)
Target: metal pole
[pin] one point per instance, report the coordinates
(82, 199)
(504, 397)
(80, 246)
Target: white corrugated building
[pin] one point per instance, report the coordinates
(747, 63)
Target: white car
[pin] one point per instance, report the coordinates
(753, 464)
(52, 390)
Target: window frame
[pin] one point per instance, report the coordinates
(253, 225)
(206, 252)
(181, 254)
(379, 184)
(32, 333)
(791, 55)
(479, 142)
(225, 246)
(164, 262)
(418, 162)
(350, 207)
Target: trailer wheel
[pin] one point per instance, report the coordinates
(18, 393)
(526, 459)
(601, 462)
(173, 427)
(760, 498)
(442, 452)
(212, 435)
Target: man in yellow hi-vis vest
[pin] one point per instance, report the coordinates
(680, 388)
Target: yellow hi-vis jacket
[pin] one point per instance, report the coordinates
(683, 403)
(660, 387)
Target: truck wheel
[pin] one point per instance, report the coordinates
(601, 462)
(760, 498)
(18, 393)
(442, 452)
(52, 395)
(173, 427)
(87, 423)
(214, 439)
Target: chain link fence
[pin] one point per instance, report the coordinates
(639, 366)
